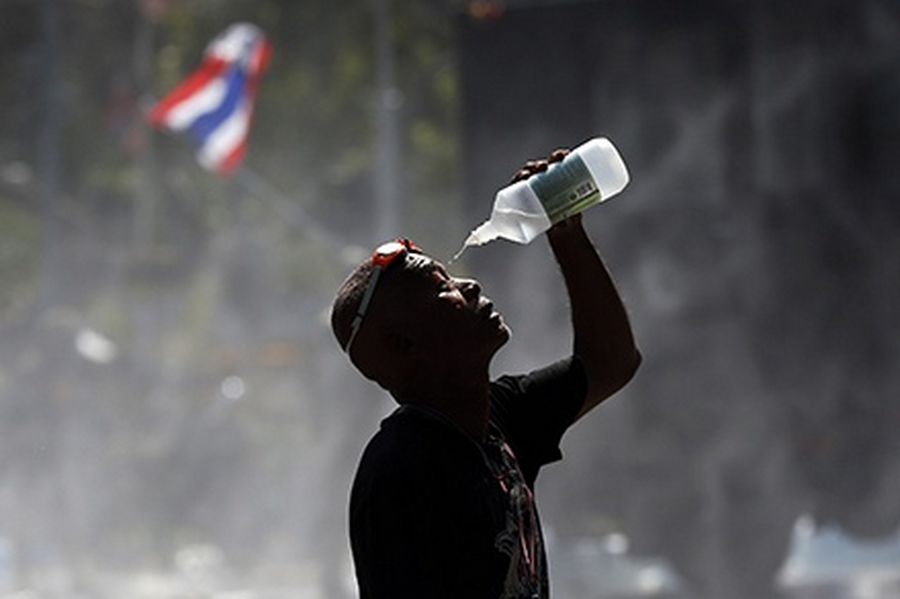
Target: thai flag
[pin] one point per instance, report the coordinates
(215, 103)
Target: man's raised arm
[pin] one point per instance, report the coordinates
(603, 339)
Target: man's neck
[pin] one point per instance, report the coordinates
(462, 400)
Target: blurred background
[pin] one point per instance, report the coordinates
(177, 422)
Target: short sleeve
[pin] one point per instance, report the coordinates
(534, 410)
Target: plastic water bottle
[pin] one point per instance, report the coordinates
(591, 173)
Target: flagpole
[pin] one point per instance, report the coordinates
(387, 216)
(148, 191)
(48, 144)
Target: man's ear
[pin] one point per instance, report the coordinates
(383, 356)
(399, 342)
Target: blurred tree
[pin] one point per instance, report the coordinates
(156, 448)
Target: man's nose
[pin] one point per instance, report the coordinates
(470, 288)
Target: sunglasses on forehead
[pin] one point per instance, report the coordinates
(383, 256)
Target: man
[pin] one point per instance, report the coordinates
(442, 505)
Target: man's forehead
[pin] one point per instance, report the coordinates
(420, 271)
(407, 283)
(422, 262)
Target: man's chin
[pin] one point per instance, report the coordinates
(504, 334)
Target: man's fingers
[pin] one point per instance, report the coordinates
(520, 175)
(557, 154)
(531, 167)
(536, 166)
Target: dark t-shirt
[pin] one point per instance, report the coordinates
(435, 514)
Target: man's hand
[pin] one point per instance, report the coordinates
(532, 167)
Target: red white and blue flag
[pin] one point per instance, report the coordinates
(214, 105)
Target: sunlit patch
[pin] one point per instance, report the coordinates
(16, 173)
(616, 543)
(94, 347)
(652, 580)
(826, 559)
(233, 388)
(606, 566)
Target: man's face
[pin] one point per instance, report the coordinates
(449, 315)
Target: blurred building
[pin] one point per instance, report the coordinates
(756, 247)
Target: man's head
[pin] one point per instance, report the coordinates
(404, 321)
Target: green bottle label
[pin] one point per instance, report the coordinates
(565, 189)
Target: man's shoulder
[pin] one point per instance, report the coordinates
(392, 440)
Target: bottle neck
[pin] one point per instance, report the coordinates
(482, 234)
